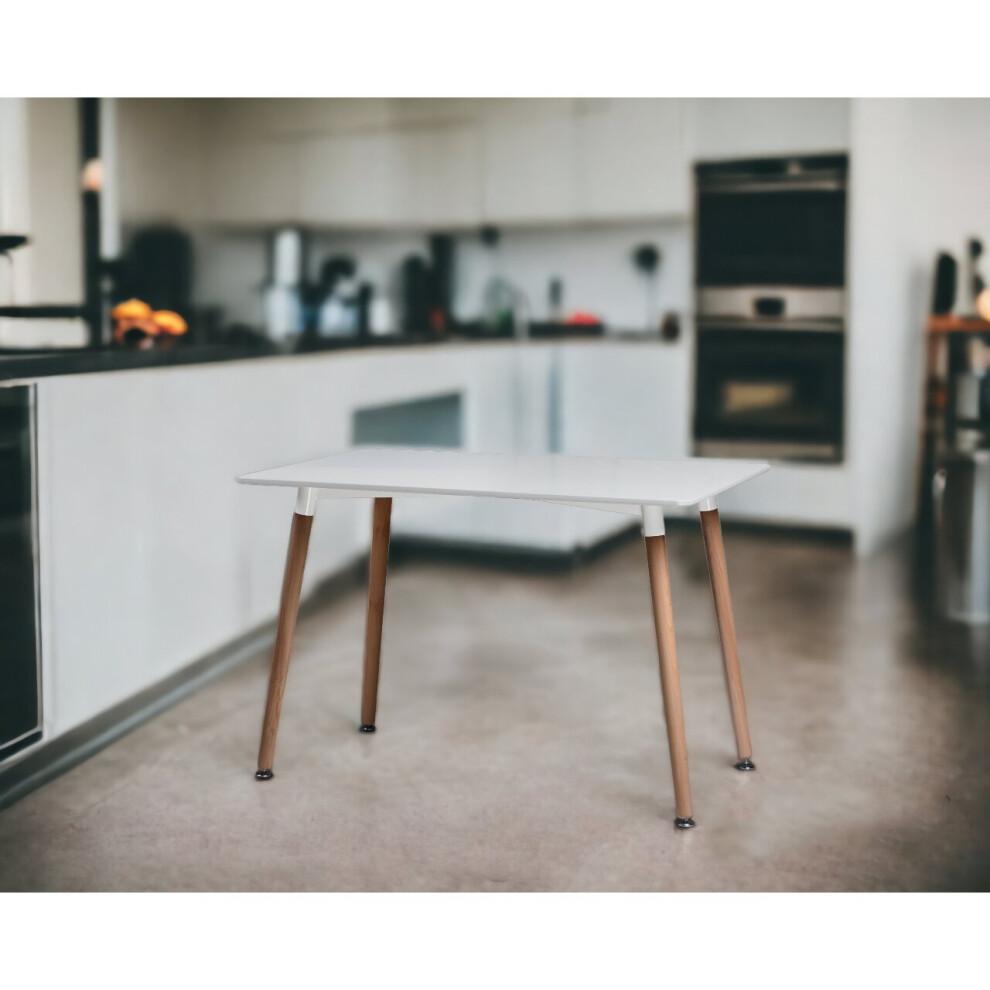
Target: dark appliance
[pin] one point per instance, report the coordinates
(770, 262)
(944, 294)
(20, 685)
(158, 269)
(769, 392)
(441, 282)
(416, 296)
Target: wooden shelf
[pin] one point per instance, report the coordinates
(956, 324)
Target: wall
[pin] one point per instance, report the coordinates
(918, 186)
(160, 146)
(595, 265)
(594, 262)
(40, 196)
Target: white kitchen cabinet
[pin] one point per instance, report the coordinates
(253, 182)
(625, 399)
(422, 176)
(439, 175)
(631, 159)
(275, 118)
(739, 128)
(529, 165)
(352, 179)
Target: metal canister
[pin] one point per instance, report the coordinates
(961, 491)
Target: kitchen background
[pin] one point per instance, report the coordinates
(527, 275)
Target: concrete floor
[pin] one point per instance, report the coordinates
(521, 745)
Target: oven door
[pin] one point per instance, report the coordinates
(769, 393)
(776, 238)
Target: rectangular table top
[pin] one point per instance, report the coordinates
(547, 477)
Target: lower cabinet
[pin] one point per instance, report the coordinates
(595, 398)
(202, 559)
(626, 399)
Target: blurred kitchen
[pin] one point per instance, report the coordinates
(193, 289)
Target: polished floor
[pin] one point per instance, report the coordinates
(521, 744)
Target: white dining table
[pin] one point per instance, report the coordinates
(641, 488)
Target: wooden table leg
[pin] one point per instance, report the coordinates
(295, 563)
(711, 529)
(377, 568)
(670, 682)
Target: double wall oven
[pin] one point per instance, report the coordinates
(770, 280)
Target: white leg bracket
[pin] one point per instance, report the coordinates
(708, 504)
(653, 520)
(306, 501)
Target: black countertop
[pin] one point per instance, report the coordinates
(79, 361)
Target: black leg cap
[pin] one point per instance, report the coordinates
(746, 764)
(685, 822)
(367, 728)
(263, 775)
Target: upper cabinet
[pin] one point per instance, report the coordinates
(415, 175)
(631, 159)
(351, 178)
(560, 161)
(743, 128)
(529, 167)
(434, 164)
(441, 175)
(445, 163)
(253, 181)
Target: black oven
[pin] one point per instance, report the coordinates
(770, 237)
(769, 392)
(770, 260)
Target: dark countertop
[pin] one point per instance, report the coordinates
(80, 361)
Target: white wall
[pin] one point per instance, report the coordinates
(594, 262)
(160, 147)
(15, 216)
(40, 196)
(919, 185)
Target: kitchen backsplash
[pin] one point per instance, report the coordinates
(593, 263)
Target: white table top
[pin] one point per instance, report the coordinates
(546, 477)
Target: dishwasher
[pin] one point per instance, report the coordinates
(20, 666)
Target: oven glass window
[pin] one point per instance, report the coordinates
(769, 386)
(781, 237)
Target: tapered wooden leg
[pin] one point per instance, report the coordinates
(711, 529)
(295, 563)
(377, 568)
(670, 682)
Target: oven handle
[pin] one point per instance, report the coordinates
(797, 185)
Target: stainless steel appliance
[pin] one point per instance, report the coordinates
(770, 292)
(20, 682)
(962, 536)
